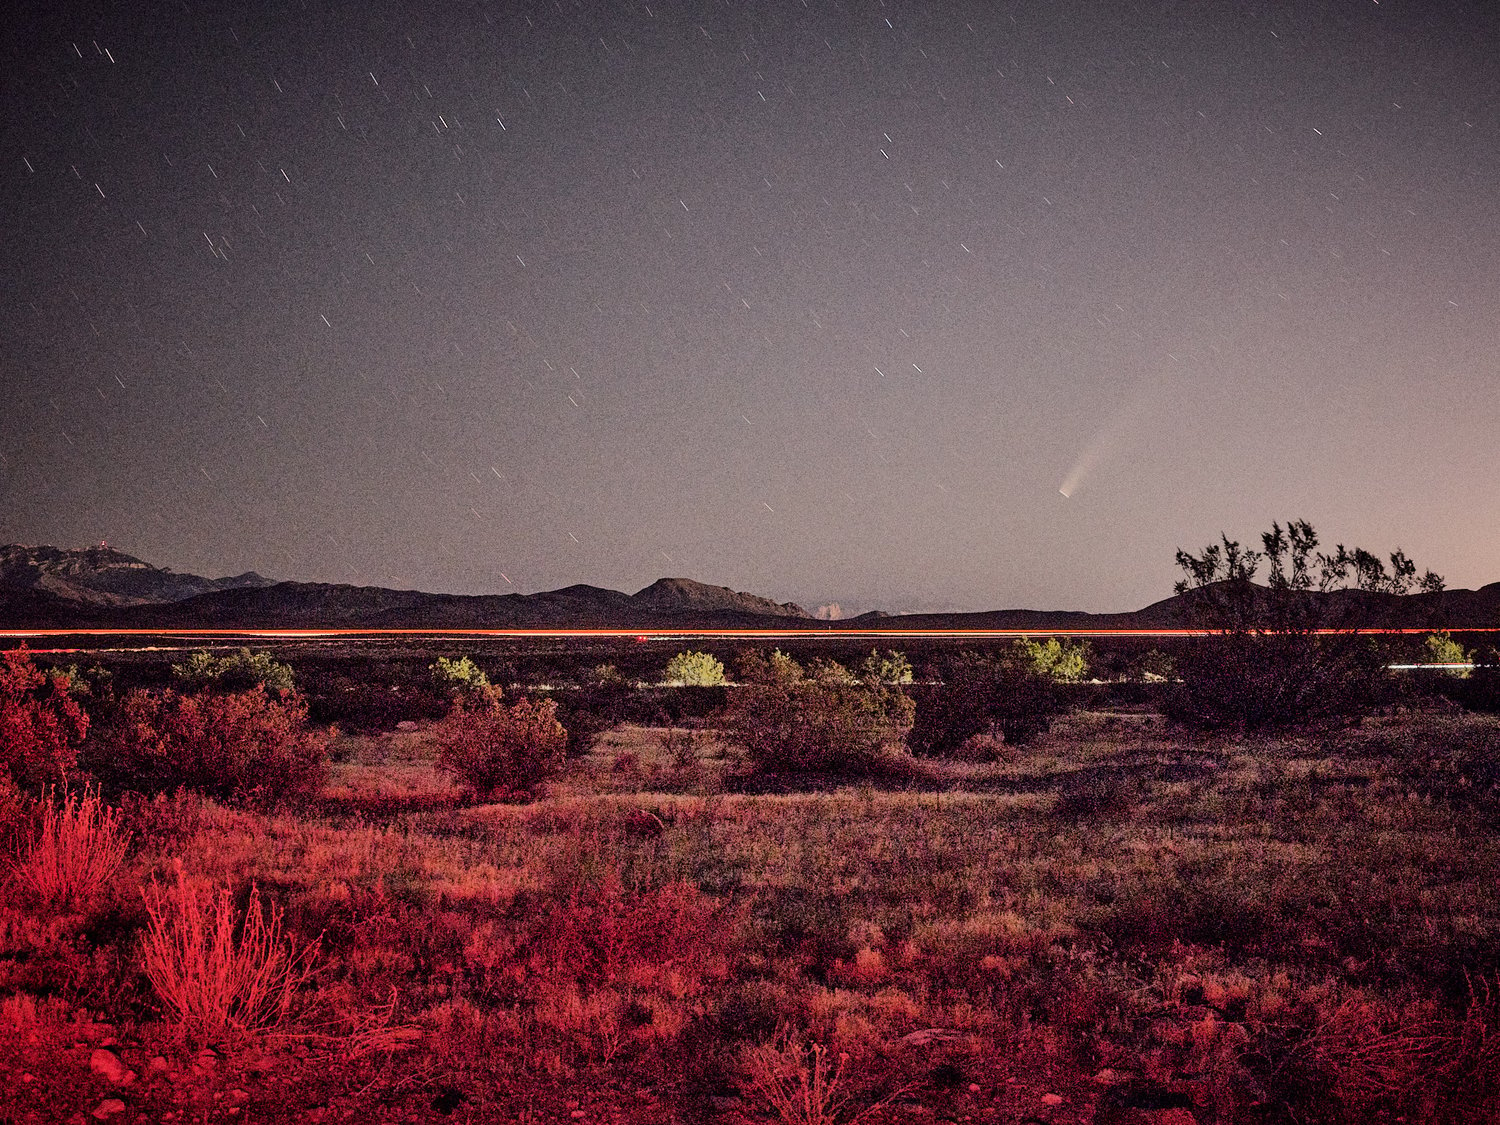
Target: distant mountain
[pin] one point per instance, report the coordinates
(1450, 609)
(61, 587)
(52, 587)
(683, 595)
(101, 576)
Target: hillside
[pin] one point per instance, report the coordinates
(43, 587)
(52, 587)
(105, 577)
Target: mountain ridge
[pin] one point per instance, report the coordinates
(103, 576)
(54, 587)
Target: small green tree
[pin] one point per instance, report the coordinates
(830, 672)
(889, 667)
(1055, 659)
(1156, 667)
(1441, 648)
(605, 675)
(694, 669)
(240, 671)
(461, 678)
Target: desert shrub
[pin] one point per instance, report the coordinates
(243, 747)
(1285, 653)
(493, 748)
(982, 695)
(797, 1083)
(41, 725)
(1053, 658)
(1154, 667)
(694, 669)
(1441, 648)
(783, 720)
(75, 851)
(240, 671)
(889, 667)
(165, 821)
(1480, 690)
(93, 683)
(589, 711)
(461, 678)
(612, 968)
(1345, 1055)
(1255, 680)
(754, 666)
(676, 705)
(370, 696)
(15, 814)
(605, 673)
(216, 970)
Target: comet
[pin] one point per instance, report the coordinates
(1104, 443)
(1111, 435)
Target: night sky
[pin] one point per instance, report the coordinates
(831, 302)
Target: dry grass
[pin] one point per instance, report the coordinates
(1272, 928)
(394, 770)
(217, 970)
(75, 853)
(797, 1082)
(800, 1086)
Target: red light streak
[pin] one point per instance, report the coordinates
(665, 634)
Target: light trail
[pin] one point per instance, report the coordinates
(651, 634)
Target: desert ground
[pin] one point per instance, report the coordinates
(1124, 920)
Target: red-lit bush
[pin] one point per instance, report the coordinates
(494, 748)
(245, 747)
(41, 726)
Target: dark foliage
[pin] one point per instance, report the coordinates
(1253, 680)
(1287, 652)
(784, 719)
(1480, 689)
(986, 695)
(589, 711)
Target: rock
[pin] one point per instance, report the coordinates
(1108, 1077)
(158, 1065)
(406, 724)
(1053, 1099)
(108, 1108)
(107, 1065)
